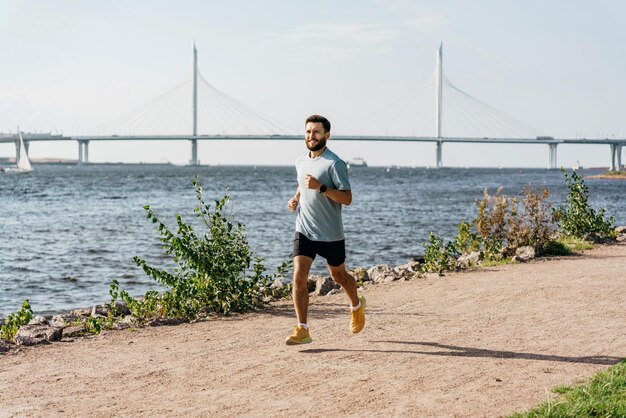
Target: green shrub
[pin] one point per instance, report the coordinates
(216, 271)
(15, 321)
(439, 256)
(577, 218)
(467, 241)
(94, 325)
(556, 248)
(141, 308)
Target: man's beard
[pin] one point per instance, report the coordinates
(320, 144)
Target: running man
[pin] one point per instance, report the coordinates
(323, 186)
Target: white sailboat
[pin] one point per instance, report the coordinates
(23, 163)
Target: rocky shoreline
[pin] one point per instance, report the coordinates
(76, 323)
(80, 322)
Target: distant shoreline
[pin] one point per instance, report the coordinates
(7, 161)
(613, 175)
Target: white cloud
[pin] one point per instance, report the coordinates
(352, 38)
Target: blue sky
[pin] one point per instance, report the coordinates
(73, 66)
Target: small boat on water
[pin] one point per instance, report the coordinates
(23, 163)
(356, 162)
(577, 166)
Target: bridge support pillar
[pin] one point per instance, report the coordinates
(613, 157)
(552, 156)
(439, 162)
(83, 151)
(194, 152)
(620, 167)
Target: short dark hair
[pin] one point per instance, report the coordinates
(321, 119)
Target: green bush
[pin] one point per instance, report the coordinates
(216, 271)
(467, 241)
(577, 218)
(15, 321)
(439, 256)
(556, 248)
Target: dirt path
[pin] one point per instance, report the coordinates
(485, 343)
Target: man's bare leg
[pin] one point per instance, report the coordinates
(300, 292)
(346, 281)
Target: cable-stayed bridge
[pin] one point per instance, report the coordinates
(437, 112)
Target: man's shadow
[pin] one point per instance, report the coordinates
(458, 351)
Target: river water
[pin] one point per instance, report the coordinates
(67, 231)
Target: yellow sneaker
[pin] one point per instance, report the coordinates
(300, 336)
(357, 322)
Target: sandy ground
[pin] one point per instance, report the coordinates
(482, 343)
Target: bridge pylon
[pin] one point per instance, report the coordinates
(552, 156)
(439, 108)
(194, 142)
(83, 151)
(616, 157)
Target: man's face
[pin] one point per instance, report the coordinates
(315, 136)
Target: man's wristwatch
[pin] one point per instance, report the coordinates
(323, 188)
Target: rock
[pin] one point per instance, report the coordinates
(127, 322)
(279, 283)
(323, 285)
(103, 310)
(37, 334)
(81, 312)
(360, 274)
(64, 320)
(334, 292)
(4, 346)
(38, 320)
(122, 308)
(621, 233)
(73, 331)
(524, 254)
(311, 283)
(98, 311)
(472, 259)
(408, 270)
(382, 273)
(279, 287)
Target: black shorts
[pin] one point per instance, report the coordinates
(333, 251)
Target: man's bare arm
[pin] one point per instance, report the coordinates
(294, 201)
(340, 196)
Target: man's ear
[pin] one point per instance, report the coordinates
(327, 135)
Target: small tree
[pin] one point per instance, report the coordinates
(216, 269)
(467, 241)
(577, 218)
(439, 256)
